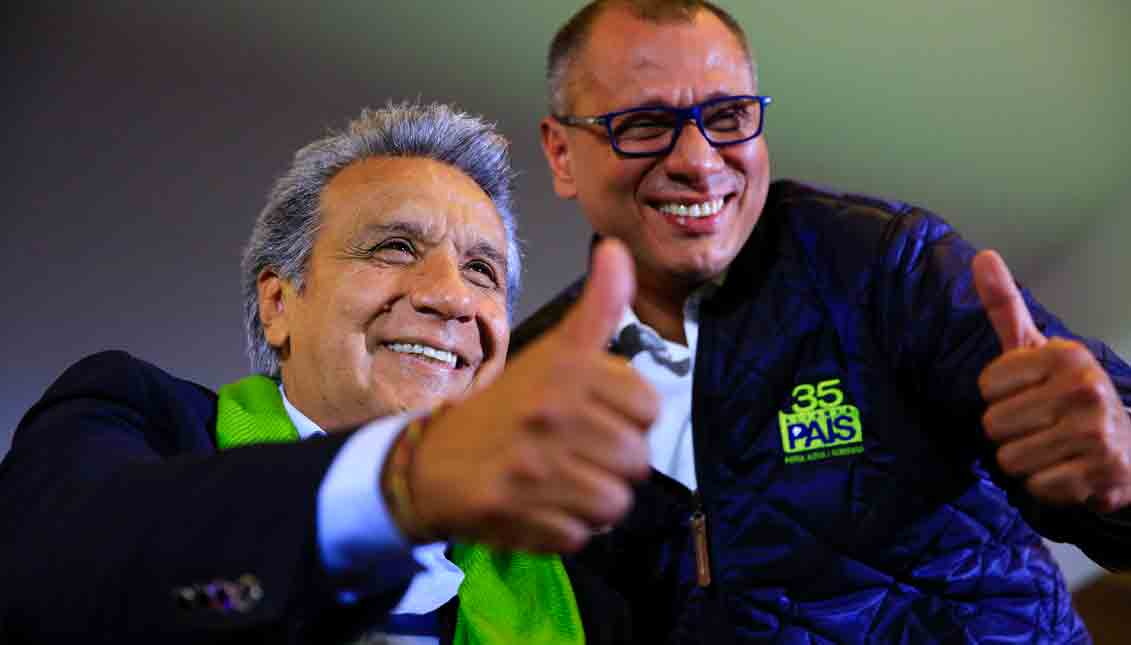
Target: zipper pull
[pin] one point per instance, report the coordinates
(702, 550)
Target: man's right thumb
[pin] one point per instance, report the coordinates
(608, 291)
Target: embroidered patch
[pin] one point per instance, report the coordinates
(820, 425)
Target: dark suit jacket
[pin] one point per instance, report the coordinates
(120, 522)
(117, 512)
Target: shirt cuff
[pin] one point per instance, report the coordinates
(357, 536)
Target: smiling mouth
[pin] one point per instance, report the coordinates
(441, 356)
(701, 209)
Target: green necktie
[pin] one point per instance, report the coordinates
(506, 596)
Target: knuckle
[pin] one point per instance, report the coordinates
(543, 412)
(1081, 491)
(989, 423)
(616, 499)
(487, 506)
(1093, 433)
(992, 370)
(1007, 458)
(985, 381)
(572, 538)
(526, 464)
(1061, 490)
(1089, 386)
(640, 456)
(1122, 459)
(639, 465)
(1120, 497)
(620, 501)
(1102, 480)
(1065, 352)
(1116, 464)
(630, 452)
(1107, 502)
(1055, 352)
(1039, 490)
(623, 446)
(1033, 487)
(1076, 488)
(1112, 451)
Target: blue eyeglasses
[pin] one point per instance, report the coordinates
(653, 131)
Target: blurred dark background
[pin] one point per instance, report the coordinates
(141, 138)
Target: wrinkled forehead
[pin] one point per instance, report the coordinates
(432, 198)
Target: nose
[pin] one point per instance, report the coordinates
(693, 158)
(439, 288)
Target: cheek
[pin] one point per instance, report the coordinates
(630, 175)
(494, 331)
(757, 164)
(615, 179)
(498, 331)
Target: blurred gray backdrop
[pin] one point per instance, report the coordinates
(141, 138)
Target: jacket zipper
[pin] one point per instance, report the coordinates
(698, 525)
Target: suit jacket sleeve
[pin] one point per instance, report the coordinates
(114, 499)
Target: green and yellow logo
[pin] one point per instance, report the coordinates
(820, 425)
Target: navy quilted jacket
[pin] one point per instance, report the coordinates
(847, 492)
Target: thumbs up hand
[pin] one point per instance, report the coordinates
(1052, 409)
(546, 453)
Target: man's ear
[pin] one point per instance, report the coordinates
(555, 145)
(274, 292)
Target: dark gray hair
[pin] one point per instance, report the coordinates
(568, 42)
(284, 232)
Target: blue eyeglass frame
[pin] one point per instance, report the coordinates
(694, 112)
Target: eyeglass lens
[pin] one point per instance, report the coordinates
(643, 131)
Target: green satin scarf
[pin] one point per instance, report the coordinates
(506, 596)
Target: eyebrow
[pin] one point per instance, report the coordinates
(481, 247)
(410, 229)
(487, 250)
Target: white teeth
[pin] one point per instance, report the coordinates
(442, 355)
(703, 209)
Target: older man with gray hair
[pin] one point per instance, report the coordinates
(379, 445)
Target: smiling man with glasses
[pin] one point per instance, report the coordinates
(844, 452)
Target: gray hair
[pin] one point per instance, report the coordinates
(283, 237)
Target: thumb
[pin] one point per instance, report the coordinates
(608, 291)
(1004, 305)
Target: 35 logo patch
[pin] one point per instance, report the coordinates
(820, 424)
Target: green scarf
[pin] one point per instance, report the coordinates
(506, 596)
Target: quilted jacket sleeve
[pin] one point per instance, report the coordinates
(929, 314)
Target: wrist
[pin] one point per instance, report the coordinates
(396, 482)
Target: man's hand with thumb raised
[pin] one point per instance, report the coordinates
(1052, 409)
(545, 454)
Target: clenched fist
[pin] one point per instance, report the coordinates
(1053, 410)
(546, 453)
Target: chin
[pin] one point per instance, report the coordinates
(702, 268)
(426, 400)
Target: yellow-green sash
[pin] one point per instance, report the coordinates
(506, 596)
